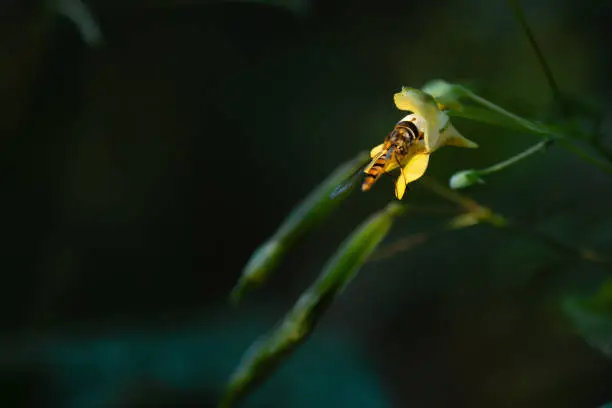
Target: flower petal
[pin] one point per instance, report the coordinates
(413, 170)
(424, 105)
(451, 137)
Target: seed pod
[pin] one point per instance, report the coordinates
(315, 208)
(265, 355)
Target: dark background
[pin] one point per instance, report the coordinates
(139, 174)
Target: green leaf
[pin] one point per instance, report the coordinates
(315, 208)
(264, 356)
(592, 317)
(445, 93)
(80, 14)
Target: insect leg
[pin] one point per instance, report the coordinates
(399, 164)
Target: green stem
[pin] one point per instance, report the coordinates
(602, 165)
(509, 162)
(520, 16)
(466, 202)
(533, 127)
(571, 251)
(549, 133)
(560, 246)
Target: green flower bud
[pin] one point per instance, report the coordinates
(263, 261)
(465, 178)
(446, 94)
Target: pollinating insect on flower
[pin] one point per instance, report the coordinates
(412, 140)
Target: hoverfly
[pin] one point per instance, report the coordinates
(390, 154)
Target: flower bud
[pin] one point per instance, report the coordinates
(265, 259)
(464, 179)
(264, 356)
(446, 94)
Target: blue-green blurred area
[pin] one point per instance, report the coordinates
(180, 365)
(141, 171)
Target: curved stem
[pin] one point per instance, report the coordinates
(602, 165)
(509, 162)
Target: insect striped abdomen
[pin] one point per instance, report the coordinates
(374, 172)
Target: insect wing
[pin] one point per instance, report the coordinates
(347, 184)
(375, 152)
(380, 153)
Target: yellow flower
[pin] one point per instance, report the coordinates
(437, 132)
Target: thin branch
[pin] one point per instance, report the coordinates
(520, 16)
(595, 144)
(600, 164)
(401, 245)
(524, 123)
(466, 202)
(431, 209)
(514, 159)
(561, 247)
(548, 133)
(484, 214)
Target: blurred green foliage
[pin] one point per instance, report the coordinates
(125, 199)
(263, 357)
(80, 15)
(592, 317)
